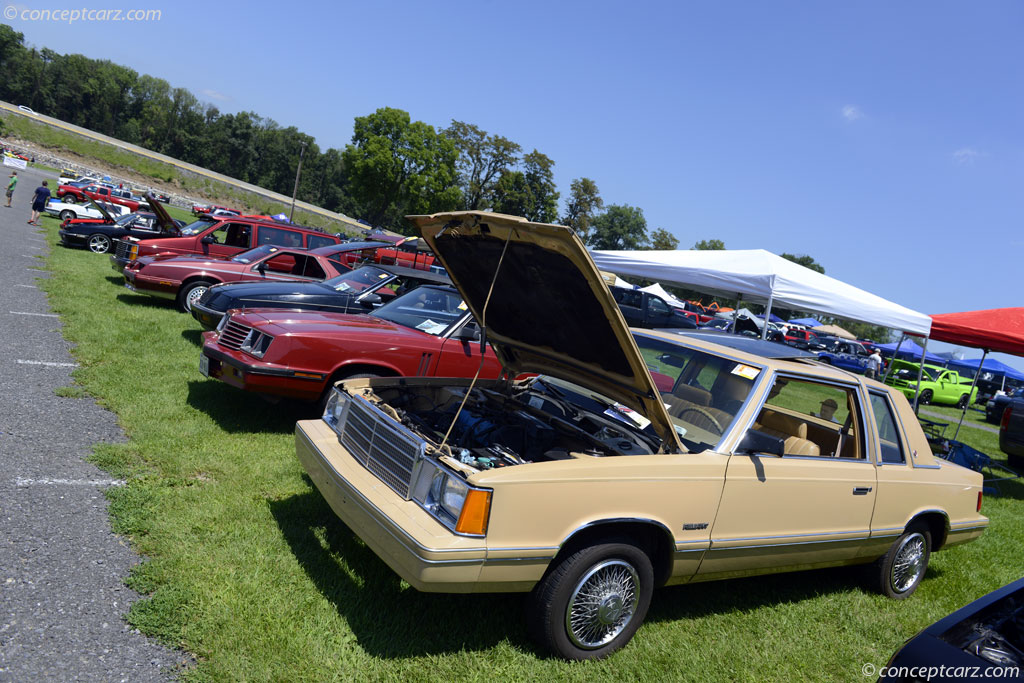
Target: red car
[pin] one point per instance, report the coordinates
(101, 193)
(186, 278)
(428, 332)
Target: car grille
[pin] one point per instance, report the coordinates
(233, 335)
(388, 450)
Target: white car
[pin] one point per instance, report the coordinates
(80, 179)
(66, 211)
(27, 110)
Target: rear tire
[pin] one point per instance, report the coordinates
(190, 293)
(592, 602)
(962, 403)
(900, 570)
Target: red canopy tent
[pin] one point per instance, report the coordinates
(996, 329)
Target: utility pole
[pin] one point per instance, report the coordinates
(297, 172)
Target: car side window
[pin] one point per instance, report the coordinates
(889, 444)
(632, 298)
(279, 236)
(317, 241)
(307, 266)
(658, 306)
(233, 235)
(813, 418)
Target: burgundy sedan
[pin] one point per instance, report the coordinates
(428, 332)
(186, 278)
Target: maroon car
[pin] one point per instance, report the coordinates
(301, 354)
(186, 278)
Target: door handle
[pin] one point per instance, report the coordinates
(861, 490)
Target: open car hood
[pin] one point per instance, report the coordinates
(107, 218)
(550, 311)
(162, 217)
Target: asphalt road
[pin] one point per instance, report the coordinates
(62, 597)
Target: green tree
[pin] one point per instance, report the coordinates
(584, 202)
(620, 227)
(709, 245)
(529, 193)
(662, 239)
(398, 166)
(482, 160)
(805, 261)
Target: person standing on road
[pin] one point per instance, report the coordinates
(39, 202)
(10, 186)
(874, 364)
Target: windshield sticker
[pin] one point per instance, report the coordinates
(462, 306)
(343, 287)
(382, 276)
(628, 415)
(746, 371)
(431, 327)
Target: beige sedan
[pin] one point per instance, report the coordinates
(634, 459)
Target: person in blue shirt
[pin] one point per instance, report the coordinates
(39, 200)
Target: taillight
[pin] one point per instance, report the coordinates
(1005, 422)
(979, 501)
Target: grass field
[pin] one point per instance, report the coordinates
(248, 569)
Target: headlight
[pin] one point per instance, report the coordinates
(256, 343)
(332, 413)
(458, 505)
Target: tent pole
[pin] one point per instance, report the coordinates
(736, 313)
(767, 315)
(984, 352)
(920, 372)
(903, 335)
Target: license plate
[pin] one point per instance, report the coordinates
(204, 365)
(129, 286)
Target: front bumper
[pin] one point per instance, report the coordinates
(242, 371)
(159, 287)
(119, 264)
(207, 317)
(400, 532)
(71, 239)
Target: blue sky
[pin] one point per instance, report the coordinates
(883, 139)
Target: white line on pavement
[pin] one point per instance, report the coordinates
(23, 482)
(41, 315)
(49, 365)
(28, 286)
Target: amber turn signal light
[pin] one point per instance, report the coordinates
(475, 511)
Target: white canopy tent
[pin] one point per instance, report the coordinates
(657, 290)
(759, 275)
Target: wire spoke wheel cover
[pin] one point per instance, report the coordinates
(909, 563)
(602, 604)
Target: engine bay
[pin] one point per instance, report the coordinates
(514, 426)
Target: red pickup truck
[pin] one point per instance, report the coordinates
(71, 194)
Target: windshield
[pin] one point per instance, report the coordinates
(703, 392)
(255, 254)
(126, 220)
(428, 309)
(195, 227)
(358, 280)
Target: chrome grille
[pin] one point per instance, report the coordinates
(123, 249)
(233, 335)
(388, 450)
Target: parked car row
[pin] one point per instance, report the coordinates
(500, 428)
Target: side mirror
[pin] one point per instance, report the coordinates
(371, 300)
(208, 239)
(261, 267)
(467, 334)
(759, 442)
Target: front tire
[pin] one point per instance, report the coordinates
(321, 404)
(191, 293)
(99, 244)
(900, 570)
(67, 215)
(925, 398)
(69, 199)
(592, 602)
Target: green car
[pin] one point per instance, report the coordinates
(938, 384)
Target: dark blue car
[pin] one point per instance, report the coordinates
(846, 355)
